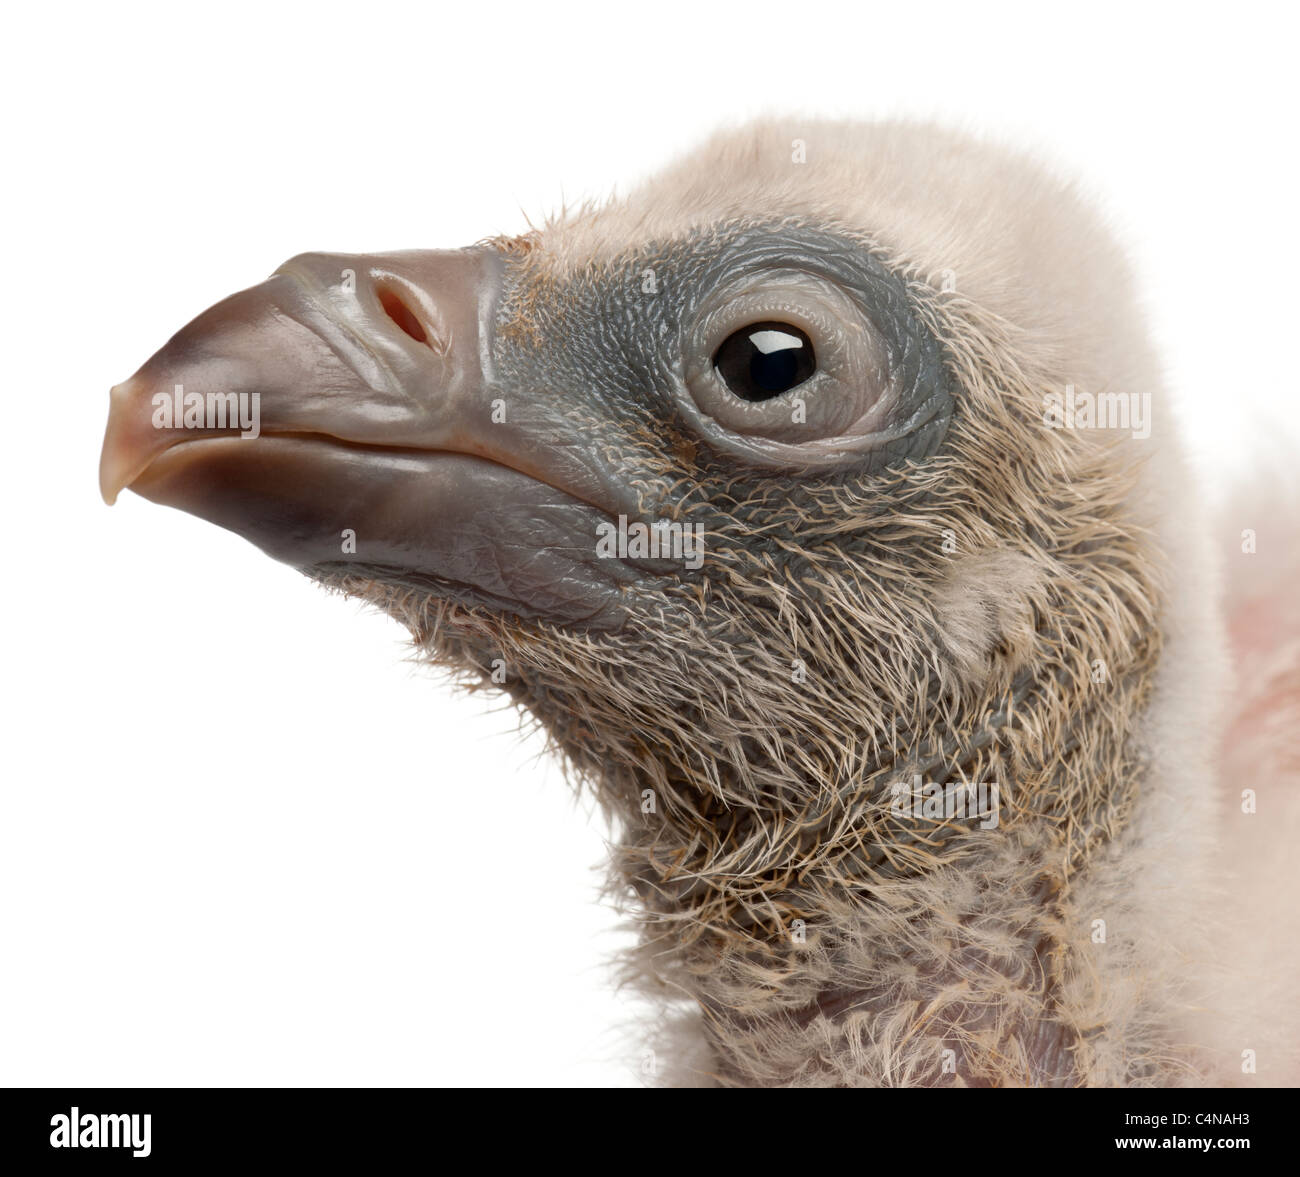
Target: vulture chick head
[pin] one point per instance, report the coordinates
(767, 490)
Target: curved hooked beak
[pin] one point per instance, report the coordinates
(343, 416)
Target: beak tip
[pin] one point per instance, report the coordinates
(113, 478)
(110, 486)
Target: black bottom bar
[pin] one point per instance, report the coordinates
(374, 1126)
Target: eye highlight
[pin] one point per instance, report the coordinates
(765, 359)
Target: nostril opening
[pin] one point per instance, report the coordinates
(402, 315)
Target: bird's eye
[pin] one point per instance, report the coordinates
(753, 379)
(764, 360)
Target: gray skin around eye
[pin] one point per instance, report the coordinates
(615, 339)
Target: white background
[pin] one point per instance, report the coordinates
(241, 841)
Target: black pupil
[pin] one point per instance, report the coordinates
(764, 360)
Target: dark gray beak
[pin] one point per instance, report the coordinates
(343, 416)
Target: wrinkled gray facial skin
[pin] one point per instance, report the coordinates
(472, 423)
(606, 343)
